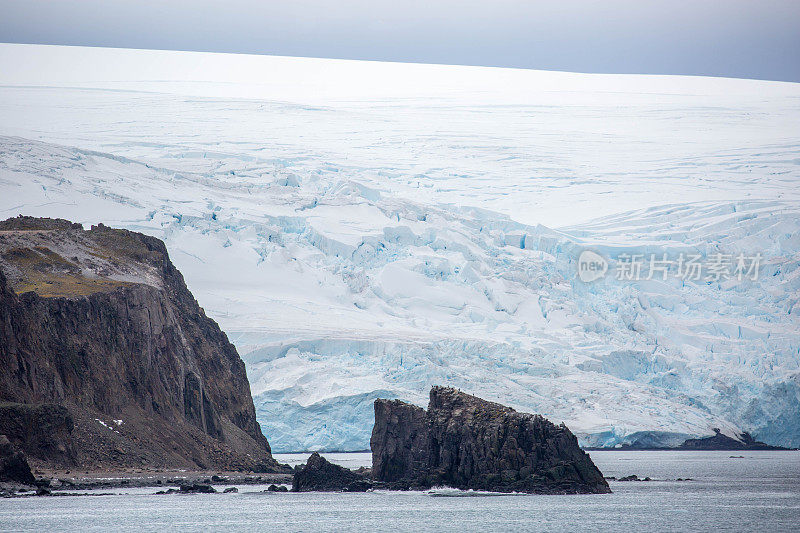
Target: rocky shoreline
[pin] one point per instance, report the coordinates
(461, 441)
(56, 483)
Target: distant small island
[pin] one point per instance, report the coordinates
(717, 442)
(724, 442)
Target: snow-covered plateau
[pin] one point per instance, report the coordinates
(366, 230)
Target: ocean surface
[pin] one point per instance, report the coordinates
(728, 491)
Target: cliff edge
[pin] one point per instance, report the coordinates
(107, 360)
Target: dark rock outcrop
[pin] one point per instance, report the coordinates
(320, 475)
(197, 488)
(13, 465)
(723, 442)
(101, 325)
(43, 431)
(634, 477)
(468, 443)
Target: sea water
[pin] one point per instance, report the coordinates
(728, 491)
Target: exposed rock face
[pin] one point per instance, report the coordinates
(101, 323)
(320, 475)
(465, 442)
(44, 431)
(13, 465)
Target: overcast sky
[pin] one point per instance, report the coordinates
(738, 38)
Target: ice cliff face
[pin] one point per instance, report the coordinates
(374, 246)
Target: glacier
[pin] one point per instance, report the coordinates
(365, 230)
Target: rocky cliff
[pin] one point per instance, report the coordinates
(106, 359)
(465, 442)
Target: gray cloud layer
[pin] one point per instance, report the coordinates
(737, 38)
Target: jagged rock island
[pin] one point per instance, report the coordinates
(107, 361)
(320, 475)
(468, 443)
